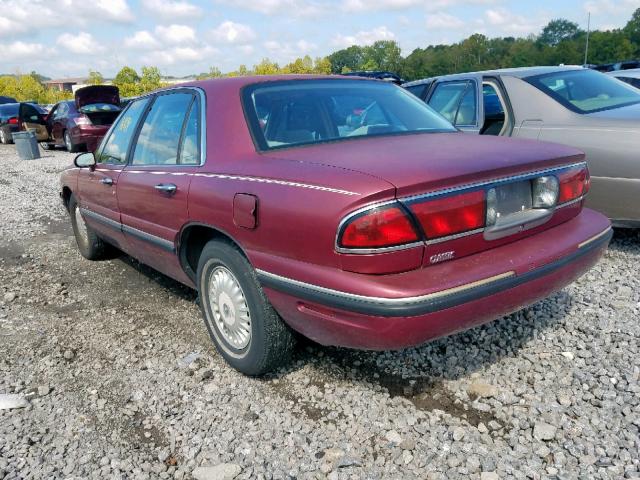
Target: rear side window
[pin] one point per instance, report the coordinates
(190, 148)
(8, 111)
(585, 91)
(455, 101)
(418, 90)
(117, 144)
(159, 137)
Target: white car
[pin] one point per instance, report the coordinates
(632, 77)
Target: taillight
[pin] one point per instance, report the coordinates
(378, 228)
(574, 183)
(451, 214)
(82, 120)
(12, 121)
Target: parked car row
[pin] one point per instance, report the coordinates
(76, 125)
(345, 209)
(574, 106)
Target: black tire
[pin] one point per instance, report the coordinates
(92, 247)
(68, 142)
(271, 342)
(5, 136)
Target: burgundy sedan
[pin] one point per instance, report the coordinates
(81, 123)
(343, 209)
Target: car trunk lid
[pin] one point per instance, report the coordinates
(97, 94)
(422, 163)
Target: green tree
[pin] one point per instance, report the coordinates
(385, 54)
(266, 67)
(632, 30)
(95, 78)
(350, 58)
(128, 82)
(150, 79)
(214, 72)
(558, 30)
(126, 75)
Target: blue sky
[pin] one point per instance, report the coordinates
(68, 37)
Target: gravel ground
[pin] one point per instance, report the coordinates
(101, 351)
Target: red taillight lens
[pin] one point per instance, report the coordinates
(12, 121)
(573, 184)
(451, 214)
(384, 227)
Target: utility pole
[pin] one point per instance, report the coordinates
(586, 47)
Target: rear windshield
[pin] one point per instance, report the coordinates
(100, 107)
(585, 91)
(10, 109)
(299, 112)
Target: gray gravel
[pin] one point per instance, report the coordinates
(122, 382)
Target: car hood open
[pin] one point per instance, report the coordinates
(97, 94)
(420, 163)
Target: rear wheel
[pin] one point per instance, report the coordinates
(68, 142)
(242, 324)
(90, 245)
(5, 136)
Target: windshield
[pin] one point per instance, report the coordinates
(297, 112)
(585, 91)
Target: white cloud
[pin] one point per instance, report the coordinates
(112, 10)
(21, 51)
(608, 7)
(141, 40)
(176, 34)
(81, 43)
(285, 52)
(297, 8)
(369, 5)
(176, 55)
(233, 33)
(443, 21)
(508, 22)
(364, 37)
(171, 9)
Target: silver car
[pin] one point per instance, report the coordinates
(632, 76)
(571, 105)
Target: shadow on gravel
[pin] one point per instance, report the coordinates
(419, 374)
(626, 240)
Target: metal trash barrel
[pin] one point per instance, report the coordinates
(26, 144)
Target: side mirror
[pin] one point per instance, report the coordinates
(85, 160)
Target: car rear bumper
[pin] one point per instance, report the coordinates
(374, 313)
(89, 135)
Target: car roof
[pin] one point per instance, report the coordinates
(237, 83)
(520, 72)
(631, 73)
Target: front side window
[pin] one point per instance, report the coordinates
(116, 147)
(455, 101)
(287, 113)
(159, 137)
(585, 91)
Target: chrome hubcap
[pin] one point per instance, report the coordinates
(67, 140)
(83, 234)
(229, 308)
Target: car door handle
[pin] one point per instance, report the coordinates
(106, 181)
(166, 187)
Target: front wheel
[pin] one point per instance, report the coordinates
(90, 245)
(242, 324)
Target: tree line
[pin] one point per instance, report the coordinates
(560, 42)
